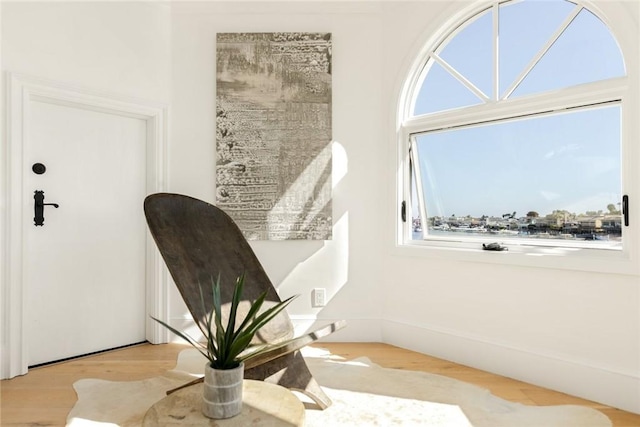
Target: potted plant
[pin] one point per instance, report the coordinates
(228, 347)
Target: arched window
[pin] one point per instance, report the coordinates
(513, 124)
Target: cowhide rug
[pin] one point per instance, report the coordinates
(363, 394)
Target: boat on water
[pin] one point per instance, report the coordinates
(441, 227)
(507, 232)
(461, 228)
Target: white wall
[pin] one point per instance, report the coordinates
(572, 331)
(117, 48)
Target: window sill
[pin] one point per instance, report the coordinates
(563, 258)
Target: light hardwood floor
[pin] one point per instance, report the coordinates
(45, 395)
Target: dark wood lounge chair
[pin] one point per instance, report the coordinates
(199, 242)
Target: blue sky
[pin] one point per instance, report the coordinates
(568, 161)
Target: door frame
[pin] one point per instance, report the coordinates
(20, 91)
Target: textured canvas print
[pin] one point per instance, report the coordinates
(273, 133)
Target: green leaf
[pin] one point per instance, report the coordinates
(235, 301)
(219, 332)
(253, 310)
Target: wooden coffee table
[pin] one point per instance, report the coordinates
(263, 404)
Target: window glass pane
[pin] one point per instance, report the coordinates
(586, 52)
(525, 27)
(553, 176)
(470, 52)
(441, 91)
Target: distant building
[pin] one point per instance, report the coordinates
(590, 223)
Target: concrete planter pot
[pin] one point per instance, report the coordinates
(222, 396)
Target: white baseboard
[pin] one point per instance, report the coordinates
(600, 384)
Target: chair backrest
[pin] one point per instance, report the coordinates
(199, 243)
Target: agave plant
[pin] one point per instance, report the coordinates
(228, 346)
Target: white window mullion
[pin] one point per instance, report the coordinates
(460, 78)
(543, 51)
(496, 51)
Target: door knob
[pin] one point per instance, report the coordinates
(38, 207)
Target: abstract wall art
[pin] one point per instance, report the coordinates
(273, 133)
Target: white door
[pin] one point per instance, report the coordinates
(84, 268)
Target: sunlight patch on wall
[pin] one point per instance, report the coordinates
(340, 163)
(314, 218)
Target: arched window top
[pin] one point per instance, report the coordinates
(514, 49)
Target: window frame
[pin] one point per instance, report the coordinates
(619, 89)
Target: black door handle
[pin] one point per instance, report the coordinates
(38, 207)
